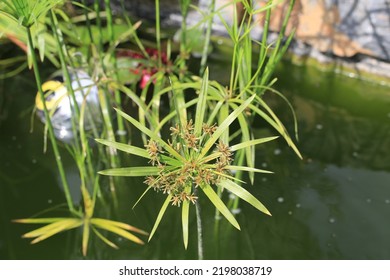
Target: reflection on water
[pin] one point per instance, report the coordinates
(334, 204)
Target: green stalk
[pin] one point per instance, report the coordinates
(88, 22)
(117, 97)
(265, 34)
(158, 32)
(49, 125)
(199, 229)
(135, 35)
(277, 53)
(68, 81)
(207, 38)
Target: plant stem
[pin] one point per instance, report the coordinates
(158, 32)
(117, 97)
(49, 125)
(206, 45)
(199, 227)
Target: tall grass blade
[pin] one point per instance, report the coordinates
(131, 171)
(125, 148)
(160, 215)
(252, 143)
(244, 194)
(218, 203)
(185, 211)
(201, 106)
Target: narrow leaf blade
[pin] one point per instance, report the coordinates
(218, 203)
(125, 148)
(243, 194)
(201, 106)
(160, 215)
(131, 171)
(252, 143)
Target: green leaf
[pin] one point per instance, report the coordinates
(125, 148)
(251, 143)
(171, 161)
(84, 245)
(143, 194)
(218, 203)
(245, 168)
(160, 215)
(224, 125)
(246, 136)
(201, 106)
(184, 220)
(243, 194)
(131, 171)
(178, 102)
(277, 124)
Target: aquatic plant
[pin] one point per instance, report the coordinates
(204, 154)
(194, 158)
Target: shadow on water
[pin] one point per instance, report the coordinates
(334, 204)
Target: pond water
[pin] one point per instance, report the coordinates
(333, 204)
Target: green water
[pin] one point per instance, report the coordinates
(333, 204)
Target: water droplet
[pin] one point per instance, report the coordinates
(290, 213)
(387, 201)
(220, 42)
(319, 126)
(264, 164)
(13, 138)
(264, 179)
(309, 160)
(280, 199)
(232, 196)
(355, 154)
(49, 201)
(59, 158)
(332, 220)
(298, 205)
(236, 211)
(388, 114)
(368, 200)
(277, 152)
(34, 161)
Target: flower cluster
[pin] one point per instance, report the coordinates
(181, 180)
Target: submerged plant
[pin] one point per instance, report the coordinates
(194, 158)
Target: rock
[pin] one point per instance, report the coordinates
(343, 28)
